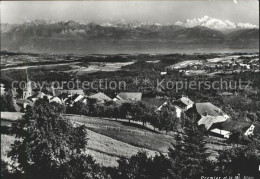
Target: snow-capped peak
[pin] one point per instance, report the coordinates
(213, 23)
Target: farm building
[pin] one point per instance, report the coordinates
(100, 97)
(158, 103)
(225, 128)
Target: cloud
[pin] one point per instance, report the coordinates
(213, 23)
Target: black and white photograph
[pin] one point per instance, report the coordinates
(130, 89)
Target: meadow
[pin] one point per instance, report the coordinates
(131, 133)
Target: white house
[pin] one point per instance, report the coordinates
(229, 125)
(221, 133)
(250, 131)
(182, 104)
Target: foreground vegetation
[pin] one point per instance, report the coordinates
(50, 147)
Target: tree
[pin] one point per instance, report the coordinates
(141, 112)
(109, 108)
(126, 110)
(48, 142)
(140, 166)
(188, 155)
(6, 103)
(116, 112)
(78, 108)
(84, 167)
(92, 106)
(167, 118)
(5, 171)
(135, 167)
(236, 136)
(101, 110)
(154, 118)
(239, 160)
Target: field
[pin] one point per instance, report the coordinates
(131, 133)
(95, 67)
(223, 59)
(184, 64)
(108, 140)
(105, 150)
(139, 136)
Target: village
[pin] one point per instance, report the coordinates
(212, 117)
(130, 89)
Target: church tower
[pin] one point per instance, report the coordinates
(28, 91)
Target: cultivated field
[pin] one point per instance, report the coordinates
(95, 67)
(184, 64)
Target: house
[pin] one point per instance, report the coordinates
(225, 93)
(78, 98)
(182, 104)
(158, 103)
(64, 96)
(229, 125)
(208, 115)
(2, 89)
(36, 96)
(57, 92)
(101, 97)
(17, 108)
(21, 104)
(71, 99)
(207, 108)
(55, 99)
(132, 96)
(163, 73)
(246, 66)
(208, 121)
(220, 133)
(13, 93)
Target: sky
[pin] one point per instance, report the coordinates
(246, 11)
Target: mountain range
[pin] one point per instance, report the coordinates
(72, 37)
(214, 23)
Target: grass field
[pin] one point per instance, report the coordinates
(105, 150)
(130, 133)
(108, 140)
(139, 136)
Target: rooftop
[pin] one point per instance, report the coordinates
(157, 102)
(208, 108)
(100, 97)
(137, 96)
(230, 125)
(208, 121)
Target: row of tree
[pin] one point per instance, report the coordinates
(164, 119)
(49, 146)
